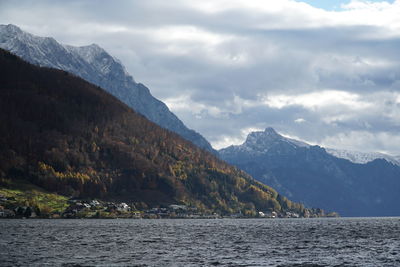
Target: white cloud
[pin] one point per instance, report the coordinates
(187, 33)
(228, 65)
(382, 14)
(319, 100)
(186, 104)
(367, 5)
(299, 120)
(296, 14)
(365, 141)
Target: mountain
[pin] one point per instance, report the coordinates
(310, 175)
(68, 136)
(361, 157)
(259, 143)
(95, 65)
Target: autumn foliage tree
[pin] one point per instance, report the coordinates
(71, 137)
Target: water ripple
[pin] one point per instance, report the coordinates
(255, 242)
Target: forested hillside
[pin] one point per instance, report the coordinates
(68, 136)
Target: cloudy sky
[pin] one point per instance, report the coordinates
(326, 72)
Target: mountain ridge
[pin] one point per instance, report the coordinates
(250, 144)
(361, 157)
(95, 65)
(262, 141)
(309, 174)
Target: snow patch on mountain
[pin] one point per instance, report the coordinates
(361, 157)
(97, 57)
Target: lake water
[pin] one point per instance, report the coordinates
(221, 242)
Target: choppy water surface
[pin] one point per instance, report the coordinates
(225, 242)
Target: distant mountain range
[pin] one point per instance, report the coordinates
(95, 65)
(362, 157)
(354, 184)
(70, 137)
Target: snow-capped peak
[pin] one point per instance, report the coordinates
(268, 137)
(262, 141)
(260, 138)
(11, 28)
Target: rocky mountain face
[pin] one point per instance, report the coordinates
(310, 175)
(67, 136)
(95, 65)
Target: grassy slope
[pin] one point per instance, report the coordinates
(23, 193)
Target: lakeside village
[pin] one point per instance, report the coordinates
(77, 208)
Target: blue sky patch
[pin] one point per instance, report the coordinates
(334, 5)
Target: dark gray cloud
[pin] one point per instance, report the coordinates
(229, 67)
